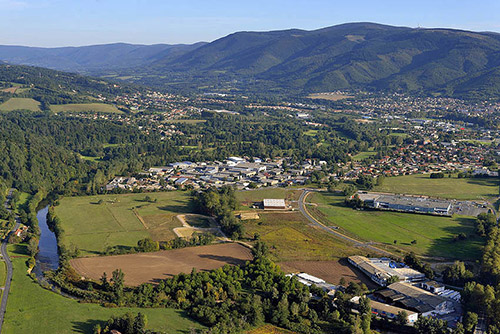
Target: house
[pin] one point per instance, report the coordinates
(274, 204)
(433, 287)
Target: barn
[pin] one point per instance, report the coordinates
(274, 204)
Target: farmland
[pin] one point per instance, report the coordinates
(85, 107)
(247, 198)
(433, 234)
(291, 238)
(473, 189)
(92, 223)
(17, 103)
(151, 267)
(27, 301)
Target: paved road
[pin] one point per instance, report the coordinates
(327, 229)
(8, 262)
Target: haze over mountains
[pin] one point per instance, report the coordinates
(347, 56)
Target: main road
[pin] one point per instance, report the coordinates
(8, 262)
(317, 223)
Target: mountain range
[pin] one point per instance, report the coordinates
(347, 56)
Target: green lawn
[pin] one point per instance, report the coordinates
(32, 309)
(474, 189)
(23, 199)
(85, 107)
(117, 220)
(17, 103)
(434, 235)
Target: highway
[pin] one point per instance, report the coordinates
(8, 262)
(317, 223)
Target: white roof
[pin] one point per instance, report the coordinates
(310, 278)
(274, 202)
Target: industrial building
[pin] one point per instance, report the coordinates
(380, 270)
(413, 298)
(406, 203)
(388, 311)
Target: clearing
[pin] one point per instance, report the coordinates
(120, 220)
(86, 107)
(433, 234)
(422, 184)
(152, 267)
(32, 309)
(17, 103)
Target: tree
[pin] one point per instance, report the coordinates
(104, 281)
(402, 318)
(140, 323)
(117, 281)
(429, 325)
(470, 322)
(260, 250)
(148, 245)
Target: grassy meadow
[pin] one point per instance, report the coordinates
(434, 235)
(32, 309)
(120, 220)
(17, 103)
(85, 107)
(472, 189)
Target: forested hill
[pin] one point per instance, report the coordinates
(57, 87)
(88, 59)
(357, 55)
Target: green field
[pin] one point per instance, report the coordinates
(117, 220)
(363, 155)
(3, 273)
(23, 199)
(292, 238)
(17, 103)
(32, 309)
(248, 197)
(85, 107)
(434, 235)
(474, 189)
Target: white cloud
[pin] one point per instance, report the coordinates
(12, 4)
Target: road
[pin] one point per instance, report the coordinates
(8, 262)
(317, 223)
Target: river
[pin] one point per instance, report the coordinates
(48, 256)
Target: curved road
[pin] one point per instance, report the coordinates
(317, 223)
(8, 262)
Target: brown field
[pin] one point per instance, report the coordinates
(152, 267)
(329, 96)
(330, 271)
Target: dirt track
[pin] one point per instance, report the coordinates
(152, 267)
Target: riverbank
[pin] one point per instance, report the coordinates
(27, 310)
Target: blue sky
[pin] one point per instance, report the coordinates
(85, 22)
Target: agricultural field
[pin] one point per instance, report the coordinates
(329, 96)
(248, 197)
(86, 107)
(92, 223)
(28, 300)
(434, 235)
(151, 267)
(472, 189)
(17, 103)
(291, 238)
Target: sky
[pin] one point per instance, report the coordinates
(51, 23)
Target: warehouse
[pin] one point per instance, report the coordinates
(274, 204)
(405, 203)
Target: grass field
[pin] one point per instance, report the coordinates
(150, 267)
(291, 238)
(32, 309)
(17, 103)
(86, 107)
(120, 220)
(434, 235)
(248, 197)
(186, 121)
(3, 273)
(363, 155)
(474, 189)
(23, 199)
